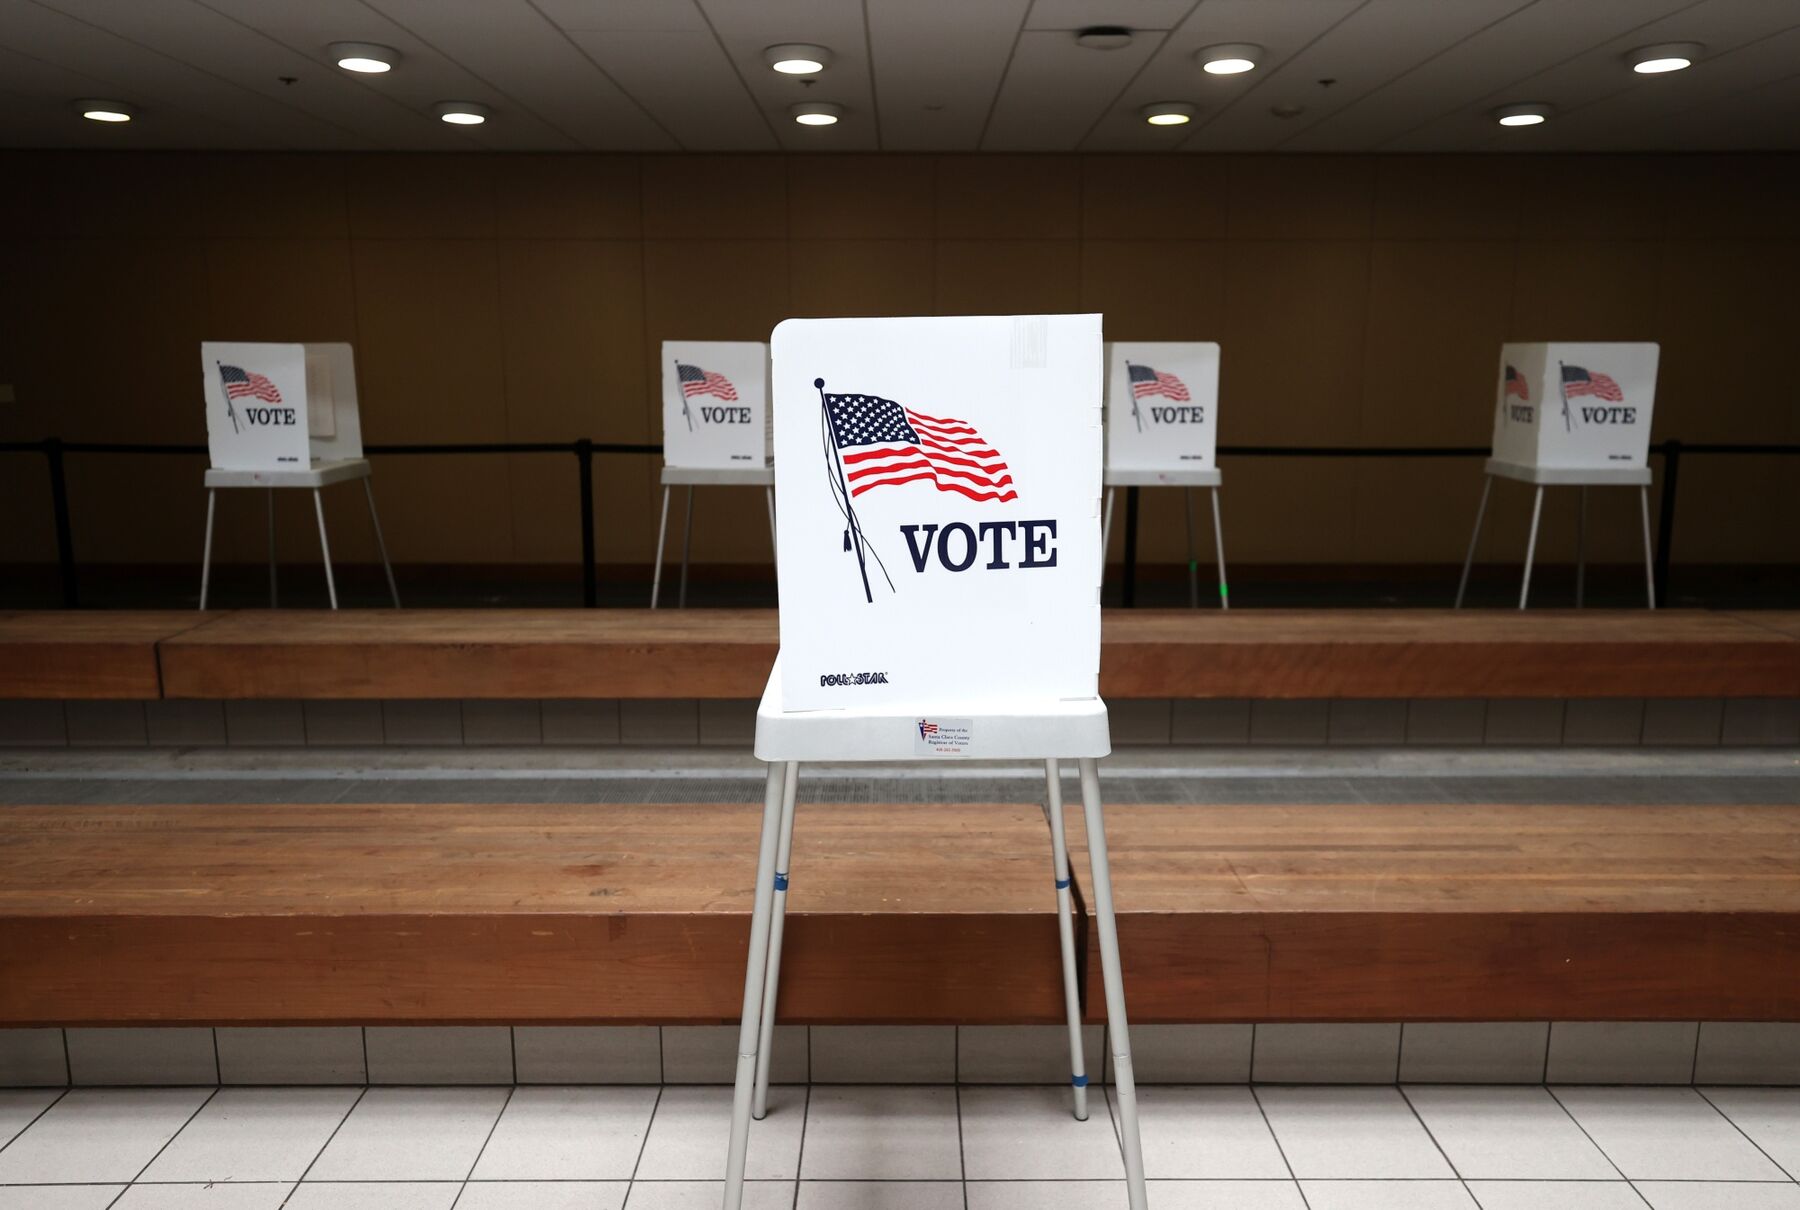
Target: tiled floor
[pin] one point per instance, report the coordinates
(899, 1148)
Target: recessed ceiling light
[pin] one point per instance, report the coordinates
(798, 58)
(1103, 37)
(1665, 56)
(1168, 113)
(95, 110)
(462, 113)
(1229, 58)
(817, 113)
(1523, 115)
(369, 58)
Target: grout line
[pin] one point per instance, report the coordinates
(1596, 1146)
(800, 1155)
(1694, 1067)
(1279, 1149)
(1779, 1166)
(207, 1100)
(34, 1121)
(649, 1125)
(505, 1104)
(1420, 1119)
(307, 1171)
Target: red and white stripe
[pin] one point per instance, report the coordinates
(950, 454)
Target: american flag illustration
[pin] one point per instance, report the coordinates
(696, 381)
(1577, 381)
(1146, 381)
(240, 382)
(1516, 385)
(882, 443)
(926, 729)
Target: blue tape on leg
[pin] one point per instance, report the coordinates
(781, 882)
(1062, 884)
(1078, 1081)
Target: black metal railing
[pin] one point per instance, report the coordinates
(55, 452)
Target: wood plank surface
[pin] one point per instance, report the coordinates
(86, 654)
(1479, 913)
(1783, 621)
(1258, 654)
(242, 914)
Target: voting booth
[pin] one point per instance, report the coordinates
(937, 487)
(283, 416)
(1162, 430)
(716, 430)
(1571, 414)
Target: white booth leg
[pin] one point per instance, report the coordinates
(274, 597)
(325, 547)
(765, 1049)
(1106, 523)
(381, 543)
(770, 493)
(1065, 927)
(687, 542)
(1649, 560)
(1124, 1081)
(1487, 486)
(1581, 549)
(212, 498)
(1537, 509)
(1187, 514)
(662, 535)
(749, 1028)
(1219, 550)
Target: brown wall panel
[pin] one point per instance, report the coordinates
(1359, 299)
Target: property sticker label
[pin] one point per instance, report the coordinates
(942, 736)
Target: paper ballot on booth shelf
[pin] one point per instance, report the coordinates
(256, 416)
(937, 489)
(1575, 405)
(715, 403)
(1162, 406)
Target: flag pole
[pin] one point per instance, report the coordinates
(684, 395)
(230, 409)
(1562, 387)
(1132, 387)
(856, 538)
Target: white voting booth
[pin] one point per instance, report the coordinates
(1162, 430)
(716, 430)
(283, 416)
(939, 567)
(1571, 414)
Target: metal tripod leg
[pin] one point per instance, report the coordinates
(1065, 927)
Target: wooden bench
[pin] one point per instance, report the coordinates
(1260, 654)
(1456, 913)
(905, 914)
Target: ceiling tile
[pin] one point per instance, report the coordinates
(938, 65)
(1055, 90)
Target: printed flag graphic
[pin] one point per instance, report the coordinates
(1577, 381)
(1516, 385)
(240, 382)
(696, 381)
(1146, 381)
(882, 444)
(926, 729)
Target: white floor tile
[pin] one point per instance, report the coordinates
(1508, 1134)
(543, 1195)
(1388, 1195)
(705, 1195)
(19, 1106)
(692, 1129)
(98, 1134)
(1770, 1116)
(1225, 1195)
(1719, 1195)
(881, 1134)
(411, 1134)
(375, 1195)
(573, 1134)
(1206, 1133)
(1110, 1195)
(885, 1195)
(1555, 1195)
(1351, 1134)
(58, 1197)
(1666, 1134)
(1027, 1133)
(205, 1197)
(254, 1134)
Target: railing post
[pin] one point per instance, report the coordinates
(1665, 517)
(1128, 596)
(59, 504)
(584, 455)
